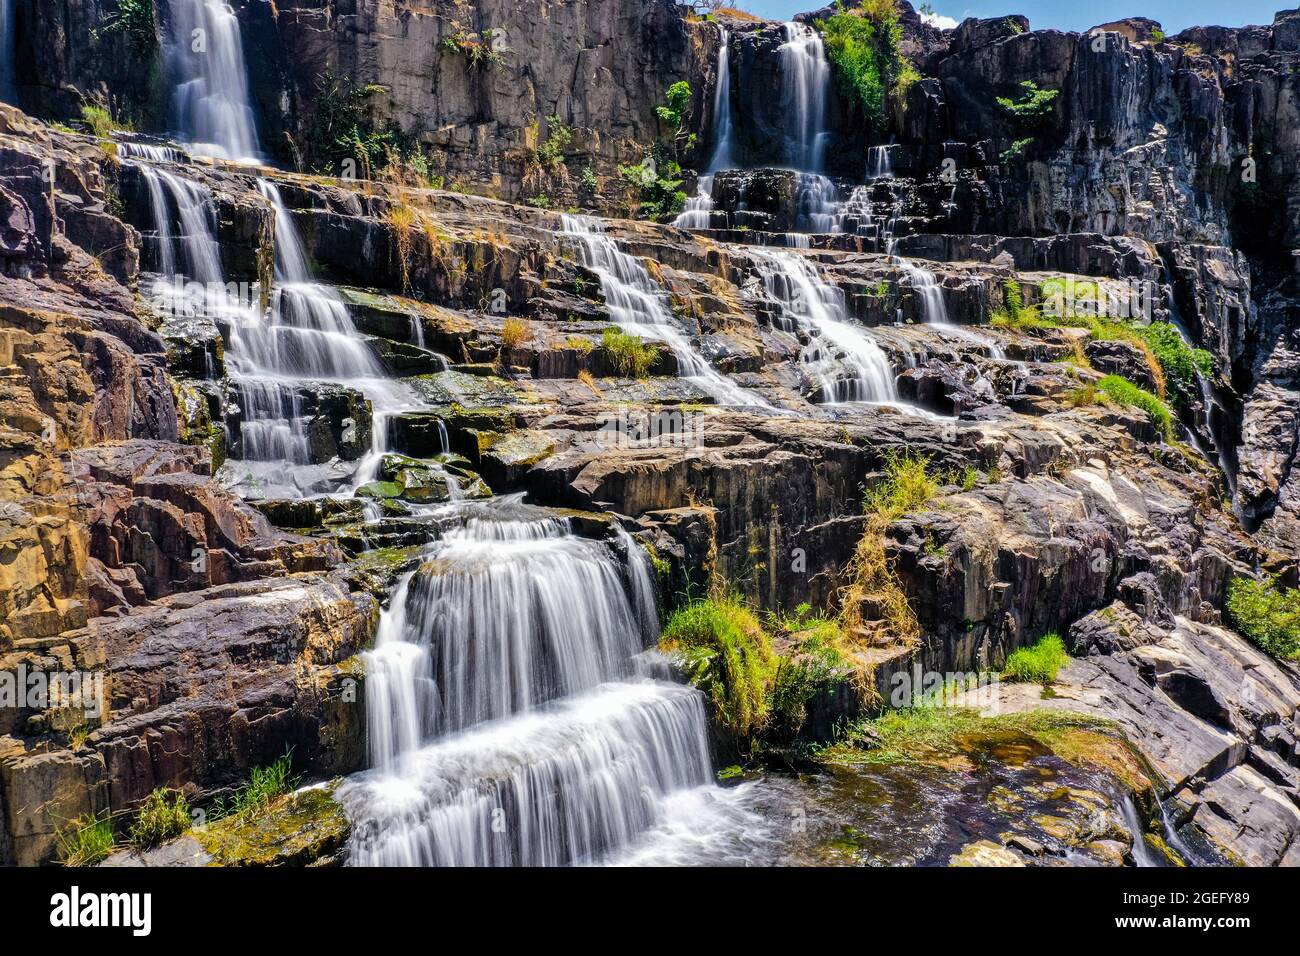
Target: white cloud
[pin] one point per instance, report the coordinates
(939, 20)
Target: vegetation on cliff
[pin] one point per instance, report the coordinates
(1038, 663)
(1267, 614)
(906, 485)
(863, 46)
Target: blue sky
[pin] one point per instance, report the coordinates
(1071, 14)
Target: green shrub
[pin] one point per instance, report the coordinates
(1266, 614)
(341, 127)
(1126, 393)
(1180, 363)
(1039, 663)
(657, 183)
(1030, 112)
(550, 155)
(86, 840)
(679, 100)
(135, 20)
(729, 656)
(816, 666)
(630, 357)
(863, 47)
(165, 814)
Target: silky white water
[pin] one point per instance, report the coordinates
(697, 213)
(806, 79)
(211, 102)
(637, 305)
(848, 363)
(506, 720)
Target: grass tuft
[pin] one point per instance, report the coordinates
(165, 814)
(630, 357)
(728, 655)
(1126, 393)
(906, 486)
(1039, 663)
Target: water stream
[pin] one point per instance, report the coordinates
(637, 305)
(212, 108)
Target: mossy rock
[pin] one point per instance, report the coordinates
(380, 489)
(301, 829)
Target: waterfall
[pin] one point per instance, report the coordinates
(636, 304)
(206, 58)
(506, 725)
(722, 145)
(817, 308)
(698, 209)
(879, 165)
(806, 78)
(8, 80)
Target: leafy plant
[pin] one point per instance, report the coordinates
(1028, 115)
(481, 49)
(630, 357)
(165, 814)
(906, 486)
(340, 127)
(134, 19)
(657, 183)
(863, 45)
(101, 122)
(1030, 112)
(550, 154)
(1266, 614)
(1038, 663)
(679, 101)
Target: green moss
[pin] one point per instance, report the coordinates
(728, 655)
(1266, 614)
(931, 734)
(380, 489)
(1039, 663)
(294, 830)
(165, 814)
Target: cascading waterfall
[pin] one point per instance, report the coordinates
(8, 82)
(636, 305)
(697, 213)
(818, 308)
(506, 723)
(206, 57)
(806, 81)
